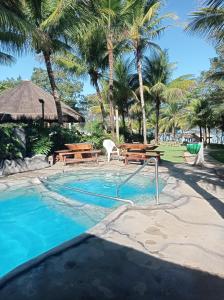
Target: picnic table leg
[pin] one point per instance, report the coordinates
(126, 160)
(97, 161)
(54, 158)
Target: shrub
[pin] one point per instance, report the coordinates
(94, 134)
(42, 146)
(11, 145)
(61, 136)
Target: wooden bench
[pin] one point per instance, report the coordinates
(141, 157)
(155, 153)
(58, 155)
(81, 156)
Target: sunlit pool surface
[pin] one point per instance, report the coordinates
(140, 189)
(33, 221)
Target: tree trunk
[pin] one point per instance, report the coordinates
(200, 129)
(111, 82)
(100, 99)
(47, 58)
(117, 124)
(209, 135)
(139, 126)
(123, 120)
(157, 120)
(174, 132)
(205, 136)
(139, 68)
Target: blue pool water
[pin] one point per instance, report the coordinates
(32, 221)
(141, 189)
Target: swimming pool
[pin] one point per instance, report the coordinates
(140, 189)
(34, 220)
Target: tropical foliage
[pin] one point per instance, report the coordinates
(115, 44)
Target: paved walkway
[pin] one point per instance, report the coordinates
(212, 163)
(169, 252)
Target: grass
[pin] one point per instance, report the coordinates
(217, 152)
(173, 154)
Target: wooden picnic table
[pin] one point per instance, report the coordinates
(137, 147)
(80, 152)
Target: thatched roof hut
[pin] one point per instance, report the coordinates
(22, 103)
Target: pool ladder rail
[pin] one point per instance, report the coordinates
(118, 198)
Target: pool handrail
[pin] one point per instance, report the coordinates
(96, 194)
(151, 159)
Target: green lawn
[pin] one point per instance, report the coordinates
(173, 153)
(217, 152)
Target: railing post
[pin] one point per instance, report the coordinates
(157, 181)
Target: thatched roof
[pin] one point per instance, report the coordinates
(21, 103)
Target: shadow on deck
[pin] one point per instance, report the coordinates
(98, 269)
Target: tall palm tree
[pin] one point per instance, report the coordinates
(208, 21)
(123, 86)
(54, 21)
(157, 71)
(111, 17)
(172, 118)
(91, 58)
(143, 28)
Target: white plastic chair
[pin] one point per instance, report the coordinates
(111, 148)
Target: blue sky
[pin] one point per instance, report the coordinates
(190, 53)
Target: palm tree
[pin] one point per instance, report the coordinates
(172, 118)
(123, 86)
(91, 58)
(143, 28)
(54, 21)
(111, 18)
(157, 71)
(208, 21)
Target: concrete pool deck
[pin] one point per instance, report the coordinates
(173, 251)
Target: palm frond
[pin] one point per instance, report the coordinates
(208, 22)
(215, 3)
(6, 59)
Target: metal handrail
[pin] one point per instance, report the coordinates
(96, 194)
(151, 159)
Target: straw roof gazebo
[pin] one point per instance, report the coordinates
(27, 102)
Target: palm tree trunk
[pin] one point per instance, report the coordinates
(100, 99)
(111, 82)
(123, 120)
(205, 135)
(139, 126)
(139, 69)
(117, 124)
(174, 132)
(47, 58)
(209, 135)
(157, 120)
(200, 129)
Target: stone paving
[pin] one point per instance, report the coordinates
(172, 251)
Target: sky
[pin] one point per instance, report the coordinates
(189, 52)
